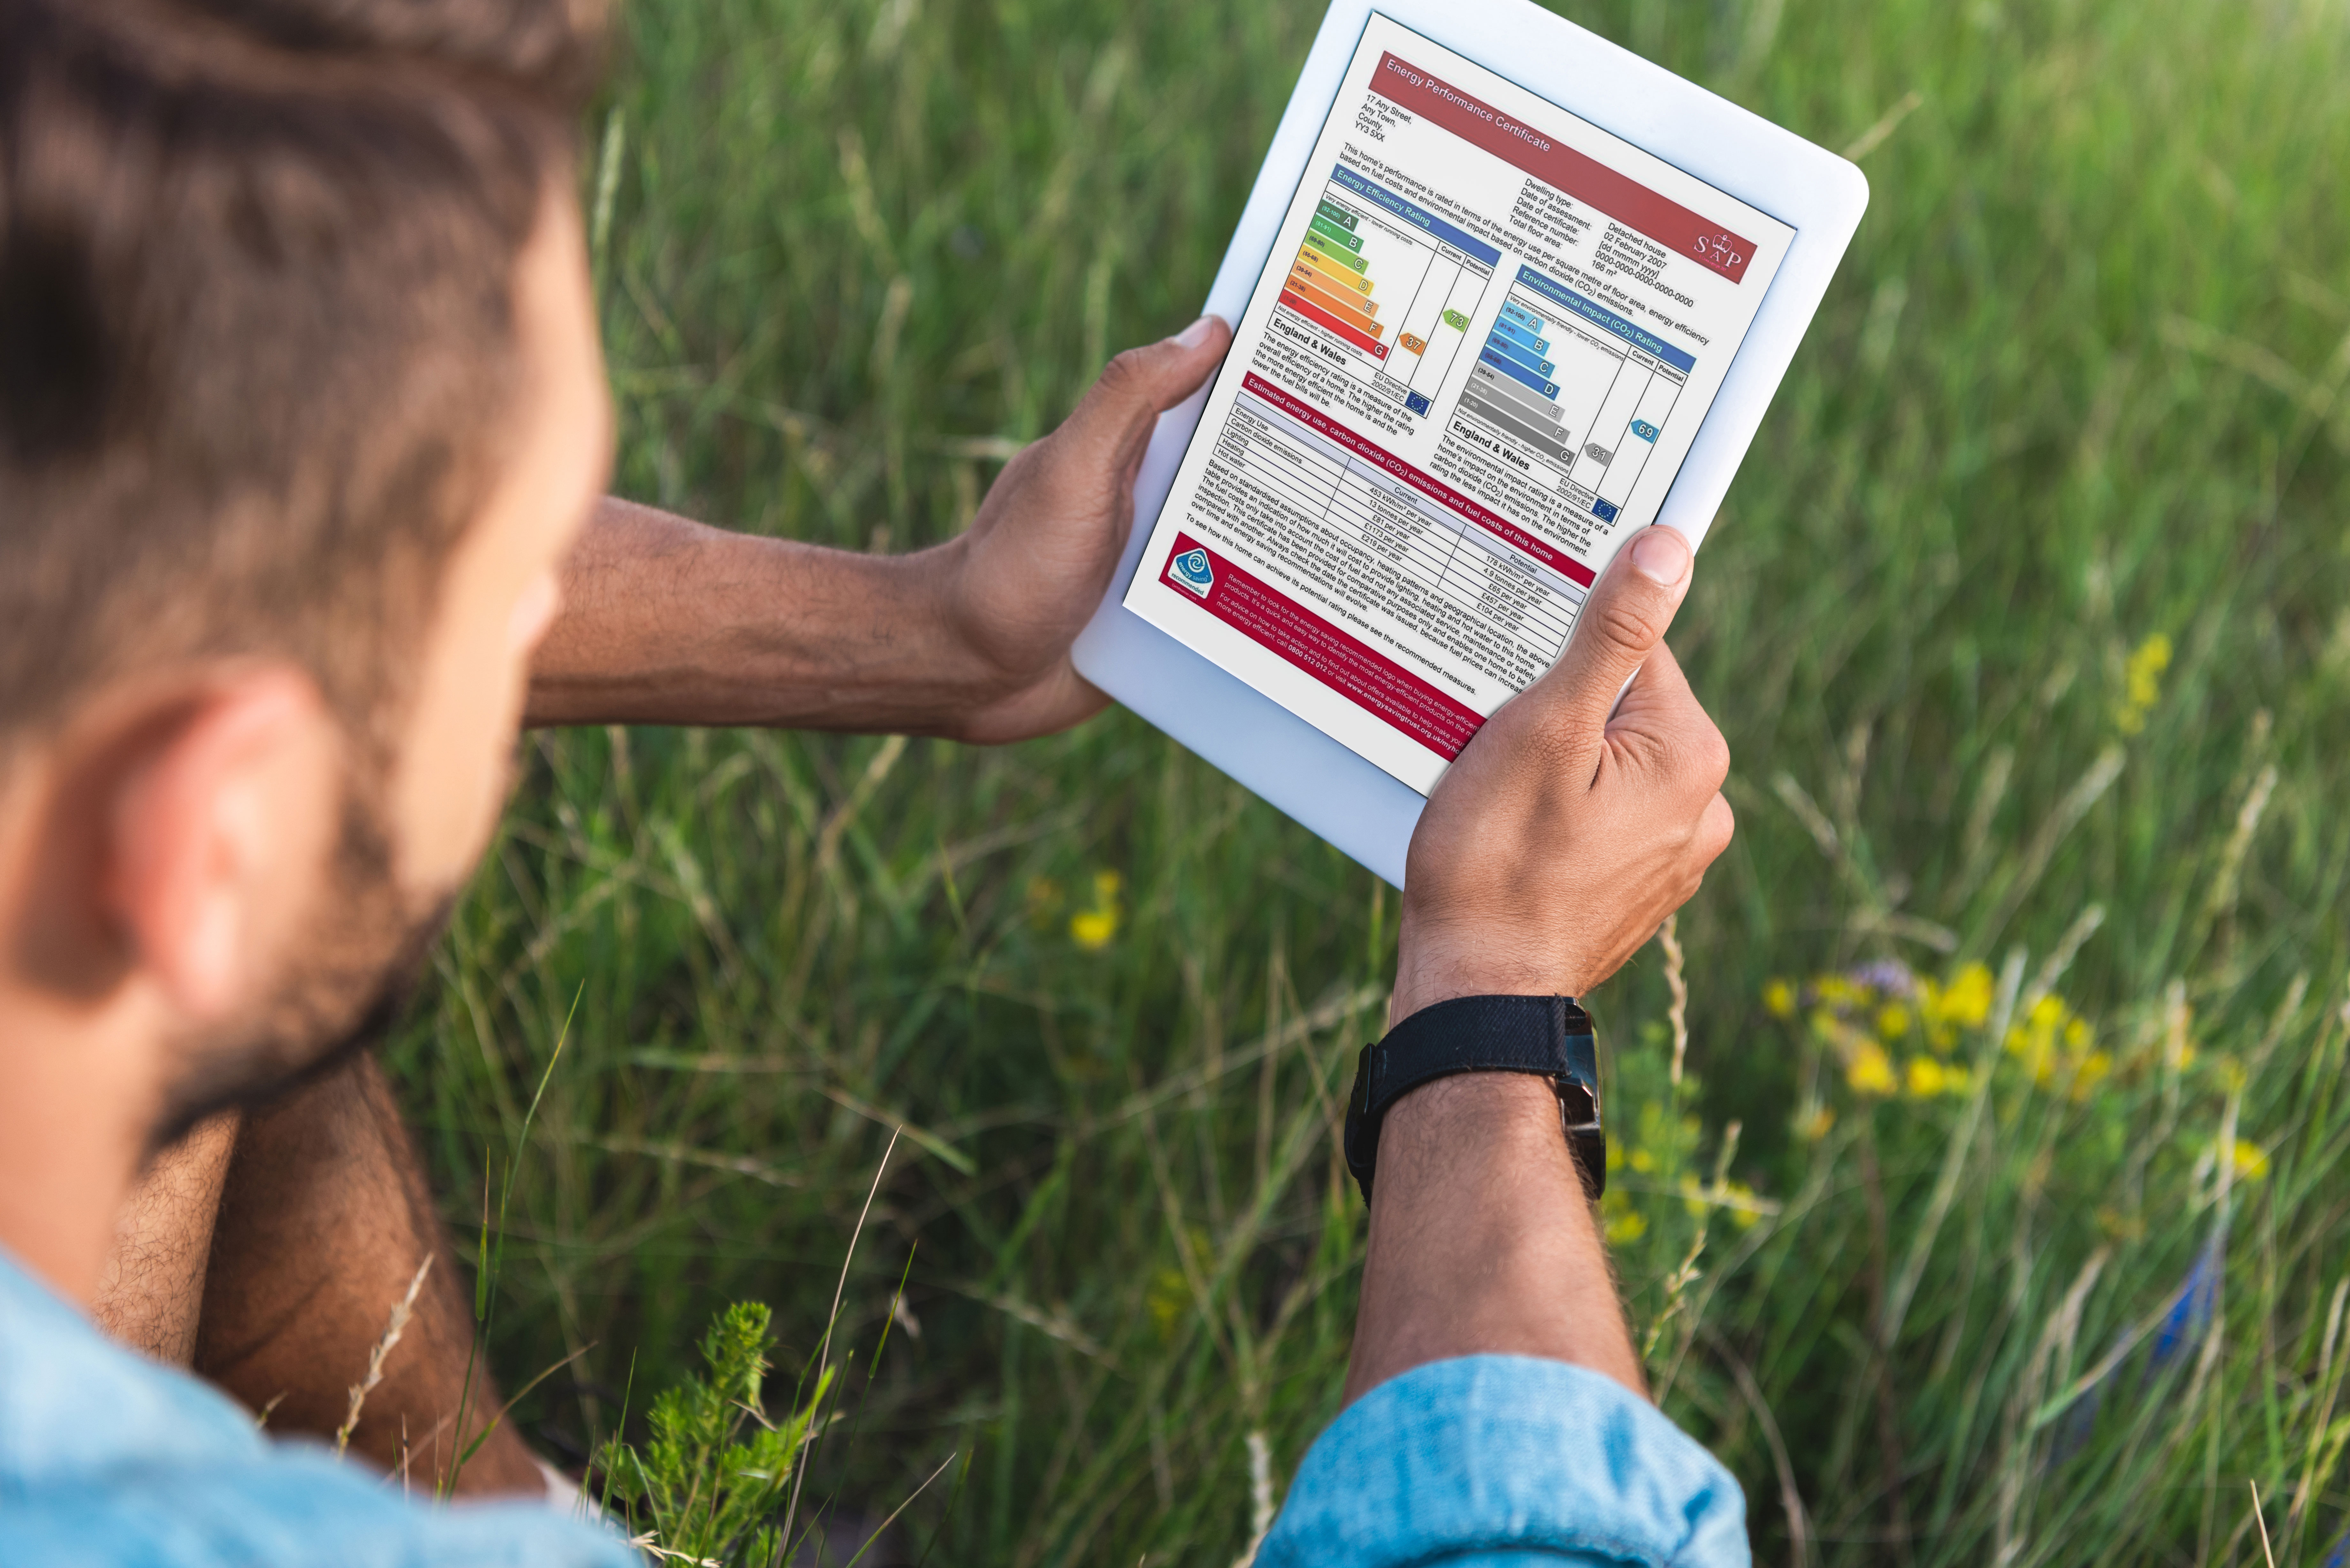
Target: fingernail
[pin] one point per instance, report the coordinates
(1191, 336)
(1662, 555)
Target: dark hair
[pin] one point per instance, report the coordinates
(257, 326)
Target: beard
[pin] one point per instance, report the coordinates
(364, 954)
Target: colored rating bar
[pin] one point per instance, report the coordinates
(1323, 319)
(1337, 214)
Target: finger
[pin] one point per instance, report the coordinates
(1114, 420)
(1661, 718)
(1660, 689)
(1716, 827)
(1662, 734)
(1621, 623)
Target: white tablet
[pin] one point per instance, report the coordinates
(1504, 294)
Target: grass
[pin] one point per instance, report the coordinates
(2076, 403)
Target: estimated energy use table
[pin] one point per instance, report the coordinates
(1299, 499)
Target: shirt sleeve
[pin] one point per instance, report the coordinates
(1506, 1459)
(300, 1510)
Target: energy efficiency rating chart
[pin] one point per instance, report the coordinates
(1578, 385)
(1390, 283)
(1480, 348)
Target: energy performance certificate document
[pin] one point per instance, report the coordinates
(1486, 340)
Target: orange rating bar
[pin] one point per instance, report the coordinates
(1412, 343)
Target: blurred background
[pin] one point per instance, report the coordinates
(1980, 1194)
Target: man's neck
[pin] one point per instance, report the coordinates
(69, 1154)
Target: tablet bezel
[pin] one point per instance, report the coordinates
(1364, 811)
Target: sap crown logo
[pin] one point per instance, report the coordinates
(1193, 570)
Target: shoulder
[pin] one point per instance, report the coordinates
(109, 1458)
(285, 1508)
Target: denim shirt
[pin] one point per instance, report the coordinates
(1505, 1461)
(109, 1458)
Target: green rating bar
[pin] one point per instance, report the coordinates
(1335, 234)
(1320, 245)
(1338, 214)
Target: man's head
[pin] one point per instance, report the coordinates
(299, 407)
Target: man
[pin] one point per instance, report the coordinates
(301, 419)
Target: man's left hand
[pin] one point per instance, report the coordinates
(665, 621)
(1024, 581)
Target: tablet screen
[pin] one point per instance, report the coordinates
(1481, 349)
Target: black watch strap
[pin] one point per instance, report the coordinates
(1550, 1036)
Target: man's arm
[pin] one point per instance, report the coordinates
(1548, 854)
(324, 1223)
(667, 621)
(1496, 1404)
(154, 1279)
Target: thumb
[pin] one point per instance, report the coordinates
(1621, 624)
(1117, 415)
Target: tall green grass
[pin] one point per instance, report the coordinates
(2080, 389)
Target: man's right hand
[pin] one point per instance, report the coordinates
(1562, 837)
(1555, 847)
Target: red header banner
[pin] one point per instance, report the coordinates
(1583, 178)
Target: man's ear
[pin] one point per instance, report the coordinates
(213, 823)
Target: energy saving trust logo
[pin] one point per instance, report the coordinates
(1191, 569)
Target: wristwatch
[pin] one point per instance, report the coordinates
(1547, 1036)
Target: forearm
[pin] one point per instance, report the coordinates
(667, 621)
(324, 1223)
(1481, 1240)
(154, 1281)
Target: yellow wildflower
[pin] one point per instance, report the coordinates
(1642, 1161)
(1893, 1020)
(1870, 1072)
(2091, 1070)
(1816, 1126)
(2034, 1041)
(1927, 1077)
(1626, 1228)
(1965, 1001)
(1094, 928)
(2251, 1162)
(1735, 1197)
(2142, 682)
(1779, 998)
